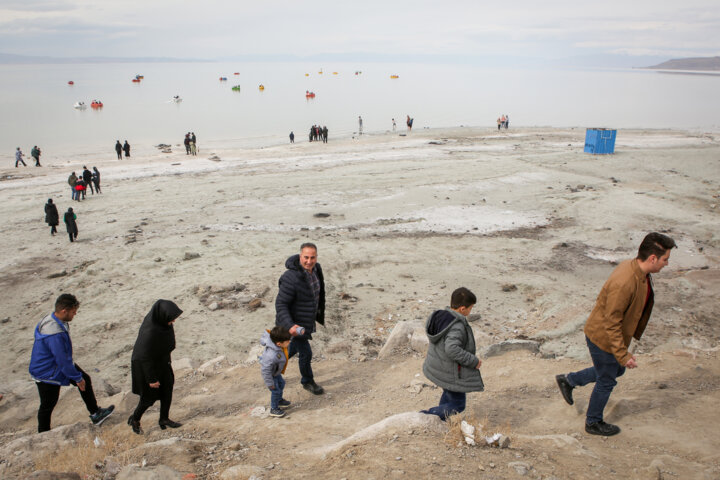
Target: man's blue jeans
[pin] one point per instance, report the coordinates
(603, 373)
(450, 404)
(300, 345)
(277, 393)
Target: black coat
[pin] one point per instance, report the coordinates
(70, 222)
(295, 302)
(87, 176)
(52, 217)
(118, 147)
(150, 359)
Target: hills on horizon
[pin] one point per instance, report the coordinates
(696, 63)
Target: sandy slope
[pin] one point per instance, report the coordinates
(408, 221)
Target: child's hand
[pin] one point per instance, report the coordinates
(271, 388)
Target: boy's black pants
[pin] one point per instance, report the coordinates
(49, 395)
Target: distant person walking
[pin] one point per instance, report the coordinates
(499, 123)
(360, 125)
(151, 368)
(292, 137)
(126, 148)
(118, 149)
(87, 178)
(52, 364)
(622, 311)
(193, 148)
(186, 142)
(19, 157)
(409, 123)
(52, 217)
(35, 153)
(507, 121)
(70, 220)
(324, 134)
(394, 125)
(96, 179)
(72, 181)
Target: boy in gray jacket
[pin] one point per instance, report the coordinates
(451, 363)
(272, 365)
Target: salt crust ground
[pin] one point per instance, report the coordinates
(408, 221)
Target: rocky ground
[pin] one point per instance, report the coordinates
(526, 220)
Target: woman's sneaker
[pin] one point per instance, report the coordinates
(284, 403)
(99, 417)
(276, 412)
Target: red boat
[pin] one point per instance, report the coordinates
(309, 94)
(95, 104)
(136, 80)
(71, 82)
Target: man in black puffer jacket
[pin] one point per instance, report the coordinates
(299, 304)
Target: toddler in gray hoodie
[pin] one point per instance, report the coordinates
(272, 365)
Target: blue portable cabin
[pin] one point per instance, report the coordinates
(600, 141)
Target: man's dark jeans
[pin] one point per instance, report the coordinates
(300, 345)
(603, 373)
(450, 404)
(49, 395)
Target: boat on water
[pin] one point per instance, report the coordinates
(335, 73)
(71, 82)
(309, 94)
(236, 73)
(177, 99)
(261, 87)
(80, 106)
(223, 79)
(136, 80)
(96, 104)
(236, 88)
(394, 76)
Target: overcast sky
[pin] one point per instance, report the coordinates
(212, 29)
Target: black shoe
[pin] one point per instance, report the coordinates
(169, 423)
(276, 412)
(602, 428)
(135, 424)
(284, 403)
(565, 388)
(313, 388)
(99, 417)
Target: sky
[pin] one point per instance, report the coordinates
(214, 29)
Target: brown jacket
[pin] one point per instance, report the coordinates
(620, 311)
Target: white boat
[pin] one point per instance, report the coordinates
(176, 99)
(80, 106)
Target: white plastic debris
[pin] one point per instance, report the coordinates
(98, 442)
(468, 432)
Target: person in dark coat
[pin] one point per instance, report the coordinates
(300, 303)
(187, 143)
(52, 217)
(152, 373)
(71, 224)
(87, 178)
(292, 137)
(126, 147)
(118, 149)
(96, 179)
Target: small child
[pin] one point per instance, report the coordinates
(272, 365)
(451, 363)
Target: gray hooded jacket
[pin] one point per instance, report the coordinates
(272, 360)
(451, 360)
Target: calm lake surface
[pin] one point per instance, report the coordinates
(37, 103)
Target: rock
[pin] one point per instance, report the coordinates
(111, 469)
(103, 387)
(254, 354)
(474, 317)
(184, 363)
(419, 340)
(509, 287)
(209, 366)
(191, 256)
(159, 472)
(510, 346)
(417, 384)
(400, 336)
(58, 274)
(254, 304)
(240, 472)
(521, 468)
(259, 412)
(5, 320)
(214, 306)
(47, 475)
(321, 215)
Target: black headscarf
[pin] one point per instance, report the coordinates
(156, 338)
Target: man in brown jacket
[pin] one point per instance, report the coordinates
(621, 312)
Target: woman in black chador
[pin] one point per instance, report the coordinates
(52, 217)
(70, 220)
(152, 373)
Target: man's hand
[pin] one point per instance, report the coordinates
(293, 330)
(632, 363)
(479, 363)
(155, 385)
(81, 385)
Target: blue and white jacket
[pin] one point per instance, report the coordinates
(51, 360)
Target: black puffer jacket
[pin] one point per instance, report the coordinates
(295, 302)
(52, 217)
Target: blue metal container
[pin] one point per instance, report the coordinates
(600, 141)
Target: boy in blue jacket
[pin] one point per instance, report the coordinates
(52, 365)
(272, 365)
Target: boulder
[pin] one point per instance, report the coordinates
(240, 472)
(184, 363)
(510, 346)
(399, 337)
(254, 353)
(419, 340)
(158, 472)
(208, 367)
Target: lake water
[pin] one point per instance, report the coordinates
(37, 103)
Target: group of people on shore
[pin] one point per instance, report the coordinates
(34, 153)
(621, 312)
(190, 143)
(119, 149)
(503, 121)
(79, 185)
(317, 133)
